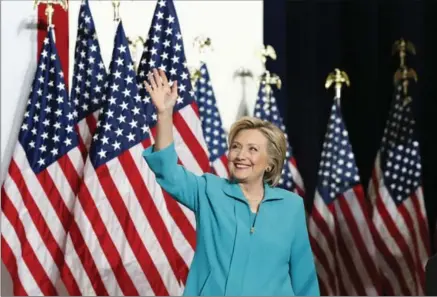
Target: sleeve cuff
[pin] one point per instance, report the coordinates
(161, 160)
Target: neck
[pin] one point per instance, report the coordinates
(252, 189)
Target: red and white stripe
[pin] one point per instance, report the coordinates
(132, 237)
(341, 239)
(296, 177)
(220, 166)
(401, 234)
(37, 209)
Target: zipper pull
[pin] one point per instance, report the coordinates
(252, 230)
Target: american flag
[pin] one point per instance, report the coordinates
(212, 126)
(40, 187)
(89, 76)
(339, 225)
(87, 94)
(395, 191)
(266, 108)
(121, 212)
(164, 49)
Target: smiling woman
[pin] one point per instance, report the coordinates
(256, 155)
(265, 251)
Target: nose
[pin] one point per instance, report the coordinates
(241, 154)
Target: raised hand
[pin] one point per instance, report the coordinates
(163, 96)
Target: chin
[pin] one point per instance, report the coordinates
(239, 177)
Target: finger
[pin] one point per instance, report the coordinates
(152, 81)
(148, 87)
(163, 77)
(157, 78)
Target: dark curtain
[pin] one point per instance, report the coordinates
(312, 37)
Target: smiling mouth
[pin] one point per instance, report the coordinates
(241, 166)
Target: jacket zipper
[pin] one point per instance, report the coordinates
(252, 228)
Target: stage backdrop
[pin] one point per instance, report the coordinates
(312, 37)
(235, 28)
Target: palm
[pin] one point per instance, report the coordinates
(163, 97)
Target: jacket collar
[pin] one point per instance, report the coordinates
(232, 189)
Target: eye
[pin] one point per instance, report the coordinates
(234, 146)
(253, 149)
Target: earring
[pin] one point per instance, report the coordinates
(268, 169)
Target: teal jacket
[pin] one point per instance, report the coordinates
(238, 253)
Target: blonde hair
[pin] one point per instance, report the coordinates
(276, 144)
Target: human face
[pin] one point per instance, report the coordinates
(248, 158)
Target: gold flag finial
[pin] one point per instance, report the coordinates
(195, 75)
(133, 46)
(403, 47)
(49, 11)
(338, 78)
(270, 79)
(267, 52)
(405, 74)
(116, 6)
(62, 3)
(203, 44)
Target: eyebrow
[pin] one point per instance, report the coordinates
(236, 142)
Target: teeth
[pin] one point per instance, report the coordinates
(241, 166)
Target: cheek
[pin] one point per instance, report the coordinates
(231, 156)
(260, 161)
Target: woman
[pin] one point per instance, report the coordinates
(251, 237)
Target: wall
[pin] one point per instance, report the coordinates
(235, 28)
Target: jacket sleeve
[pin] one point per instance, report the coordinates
(302, 267)
(181, 184)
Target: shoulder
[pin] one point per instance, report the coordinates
(290, 199)
(213, 180)
(292, 206)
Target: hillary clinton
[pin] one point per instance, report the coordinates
(252, 237)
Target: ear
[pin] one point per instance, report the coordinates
(268, 169)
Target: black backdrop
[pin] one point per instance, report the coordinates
(312, 37)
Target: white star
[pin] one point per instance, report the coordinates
(67, 141)
(124, 105)
(105, 140)
(131, 137)
(122, 48)
(41, 162)
(54, 151)
(119, 61)
(119, 132)
(102, 153)
(117, 74)
(126, 92)
(107, 127)
(116, 145)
